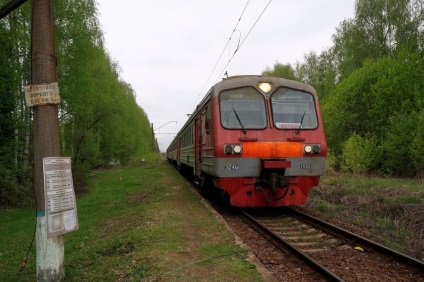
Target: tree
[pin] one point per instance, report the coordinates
(382, 99)
(318, 71)
(100, 120)
(280, 70)
(14, 116)
(362, 160)
(417, 145)
(380, 28)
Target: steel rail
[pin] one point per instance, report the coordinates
(337, 231)
(327, 274)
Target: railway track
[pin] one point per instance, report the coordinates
(335, 253)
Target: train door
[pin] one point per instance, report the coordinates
(199, 143)
(197, 147)
(178, 152)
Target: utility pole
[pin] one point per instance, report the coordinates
(50, 251)
(153, 134)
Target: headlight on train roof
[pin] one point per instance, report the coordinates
(312, 148)
(265, 86)
(232, 149)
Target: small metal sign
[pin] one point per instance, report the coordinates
(61, 208)
(42, 94)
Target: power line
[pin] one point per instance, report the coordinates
(10, 7)
(223, 50)
(263, 11)
(226, 45)
(228, 42)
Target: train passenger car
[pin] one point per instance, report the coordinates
(260, 140)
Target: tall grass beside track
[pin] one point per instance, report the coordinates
(135, 223)
(390, 210)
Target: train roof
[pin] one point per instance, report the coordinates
(248, 80)
(253, 80)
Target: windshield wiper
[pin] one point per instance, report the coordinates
(241, 124)
(301, 121)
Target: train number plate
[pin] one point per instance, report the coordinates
(232, 167)
(305, 166)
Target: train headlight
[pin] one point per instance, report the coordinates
(228, 149)
(232, 149)
(312, 148)
(308, 149)
(265, 86)
(316, 149)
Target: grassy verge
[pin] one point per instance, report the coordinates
(392, 210)
(135, 224)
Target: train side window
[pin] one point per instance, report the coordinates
(208, 121)
(293, 109)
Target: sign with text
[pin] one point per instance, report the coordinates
(42, 94)
(61, 208)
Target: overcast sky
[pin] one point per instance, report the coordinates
(169, 50)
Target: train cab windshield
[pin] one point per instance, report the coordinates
(242, 108)
(293, 109)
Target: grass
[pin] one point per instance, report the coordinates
(139, 223)
(391, 210)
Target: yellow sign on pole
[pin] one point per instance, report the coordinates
(42, 94)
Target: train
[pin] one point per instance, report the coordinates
(259, 140)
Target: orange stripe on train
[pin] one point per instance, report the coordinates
(272, 149)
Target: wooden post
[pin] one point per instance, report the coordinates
(49, 251)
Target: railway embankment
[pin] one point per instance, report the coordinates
(135, 224)
(389, 211)
(146, 224)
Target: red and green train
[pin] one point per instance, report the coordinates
(259, 140)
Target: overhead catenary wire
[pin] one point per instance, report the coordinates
(225, 47)
(10, 7)
(239, 46)
(222, 53)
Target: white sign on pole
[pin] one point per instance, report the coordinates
(42, 94)
(61, 208)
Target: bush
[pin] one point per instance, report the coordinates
(417, 146)
(360, 154)
(11, 193)
(397, 143)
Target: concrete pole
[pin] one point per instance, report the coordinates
(49, 251)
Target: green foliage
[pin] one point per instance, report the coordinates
(371, 85)
(100, 121)
(417, 145)
(280, 70)
(379, 99)
(380, 28)
(354, 106)
(318, 71)
(389, 208)
(360, 154)
(134, 223)
(14, 116)
(396, 146)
